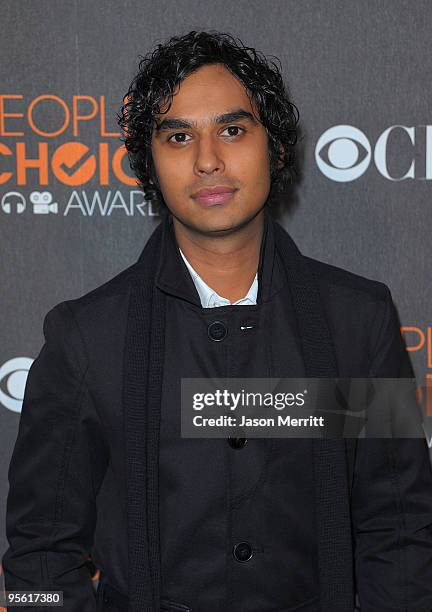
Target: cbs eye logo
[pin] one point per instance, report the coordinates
(15, 373)
(343, 153)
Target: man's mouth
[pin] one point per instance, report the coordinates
(209, 196)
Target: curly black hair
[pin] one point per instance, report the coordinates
(161, 71)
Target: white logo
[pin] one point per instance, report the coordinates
(13, 201)
(42, 203)
(84, 203)
(17, 368)
(349, 153)
(343, 153)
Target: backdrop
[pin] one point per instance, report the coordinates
(71, 215)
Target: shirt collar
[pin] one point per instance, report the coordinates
(210, 299)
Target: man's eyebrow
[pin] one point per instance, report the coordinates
(180, 123)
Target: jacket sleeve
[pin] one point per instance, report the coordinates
(56, 469)
(392, 496)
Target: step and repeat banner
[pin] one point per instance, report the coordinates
(72, 216)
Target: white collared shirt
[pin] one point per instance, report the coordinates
(210, 299)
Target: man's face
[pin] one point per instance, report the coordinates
(196, 147)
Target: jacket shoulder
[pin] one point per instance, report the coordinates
(334, 278)
(113, 290)
(71, 325)
(363, 322)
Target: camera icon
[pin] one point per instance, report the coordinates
(42, 203)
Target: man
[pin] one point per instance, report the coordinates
(220, 290)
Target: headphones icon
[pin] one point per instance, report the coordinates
(13, 200)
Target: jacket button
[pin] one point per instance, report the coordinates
(242, 552)
(237, 442)
(217, 331)
(106, 599)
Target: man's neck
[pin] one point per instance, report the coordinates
(227, 264)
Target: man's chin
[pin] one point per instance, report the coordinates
(218, 228)
(216, 225)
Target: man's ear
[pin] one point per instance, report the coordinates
(281, 159)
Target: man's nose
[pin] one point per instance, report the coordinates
(208, 157)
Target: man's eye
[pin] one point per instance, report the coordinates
(178, 136)
(234, 128)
